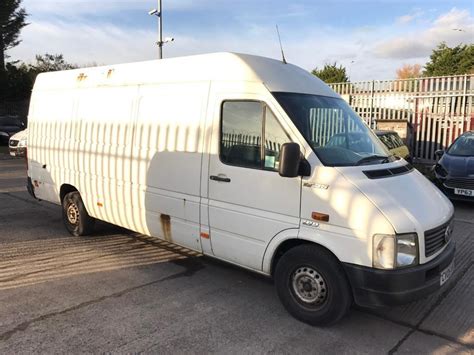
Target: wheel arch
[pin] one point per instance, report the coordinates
(282, 243)
(65, 189)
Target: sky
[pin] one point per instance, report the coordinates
(370, 38)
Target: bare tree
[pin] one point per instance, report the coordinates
(408, 71)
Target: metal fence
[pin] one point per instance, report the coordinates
(230, 139)
(438, 108)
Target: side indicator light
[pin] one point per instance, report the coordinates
(205, 235)
(100, 204)
(320, 216)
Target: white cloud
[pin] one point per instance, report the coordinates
(405, 19)
(85, 7)
(368, 52)
(408, 18)
(82, 43)
(108, 44)
(418, 44)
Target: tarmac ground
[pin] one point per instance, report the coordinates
(121, 292)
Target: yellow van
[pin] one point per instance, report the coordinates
(394, 143)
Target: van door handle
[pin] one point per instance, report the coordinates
(219, 178)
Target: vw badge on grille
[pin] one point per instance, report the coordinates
(448, 233)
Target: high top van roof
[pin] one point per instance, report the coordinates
(276, 75)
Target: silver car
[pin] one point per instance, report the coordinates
(17, 143)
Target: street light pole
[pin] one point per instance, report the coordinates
(159, 13)
(160, 30)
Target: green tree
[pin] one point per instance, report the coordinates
(19, 81)
(445, 60)
(51, 62)
(12, 20)
(331, 73)
(20, 77)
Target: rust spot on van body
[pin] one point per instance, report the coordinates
(166, 227)
(81, 77)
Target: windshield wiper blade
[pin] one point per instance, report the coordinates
(372, 157)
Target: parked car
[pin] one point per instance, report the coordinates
(394, 143)
(9, 125)
(454, 172)
(17, 144)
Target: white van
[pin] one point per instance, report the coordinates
(242, 158)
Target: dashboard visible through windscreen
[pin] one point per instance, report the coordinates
(335, 132)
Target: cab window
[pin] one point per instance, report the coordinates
(251, 135)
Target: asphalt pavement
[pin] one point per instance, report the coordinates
(120, 292)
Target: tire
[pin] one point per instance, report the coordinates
(75, 217)
(312, 285)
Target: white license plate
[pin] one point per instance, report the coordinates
(446, 274)
(464, 192)
(13, 153)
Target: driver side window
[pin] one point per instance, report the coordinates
(251, 135)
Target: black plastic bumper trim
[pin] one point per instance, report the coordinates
(375, 288)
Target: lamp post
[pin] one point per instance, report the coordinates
(159, 13)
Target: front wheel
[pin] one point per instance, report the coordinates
(312, 285)
(75, 217)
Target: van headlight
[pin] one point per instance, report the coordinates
(395, 251)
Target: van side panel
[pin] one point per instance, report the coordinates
(166, 161)
(52, 142)
(133, 152)
(104, 152)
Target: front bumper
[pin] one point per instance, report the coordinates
(375, 288)
(449, 191)
(17, 151)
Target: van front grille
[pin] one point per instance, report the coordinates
(437, 238)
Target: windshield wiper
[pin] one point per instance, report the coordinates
(373, 157)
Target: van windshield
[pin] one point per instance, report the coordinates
(334, 131)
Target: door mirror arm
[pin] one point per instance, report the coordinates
(305, 168)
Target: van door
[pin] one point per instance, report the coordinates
(167, 159)
(249, 202)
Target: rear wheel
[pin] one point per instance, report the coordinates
(312, 285)
(75, 217)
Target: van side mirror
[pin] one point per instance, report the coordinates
(439, 153)
(290, 158)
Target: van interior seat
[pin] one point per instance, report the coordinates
(244, 155)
